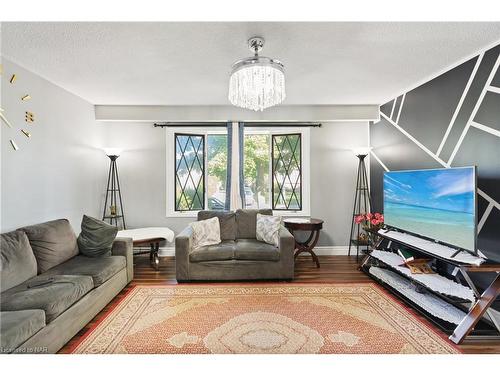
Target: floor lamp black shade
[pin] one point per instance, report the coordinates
(113, 207)
(362, 204)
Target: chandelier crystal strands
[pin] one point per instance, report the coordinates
(257, 82)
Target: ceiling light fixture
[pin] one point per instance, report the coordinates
(257, 82)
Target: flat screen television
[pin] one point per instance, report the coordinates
(439, 204)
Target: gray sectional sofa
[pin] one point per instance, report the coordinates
(38, 315)
(239, 256)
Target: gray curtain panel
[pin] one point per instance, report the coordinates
(241, 136)
(229, 164)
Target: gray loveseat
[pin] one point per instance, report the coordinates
(239, 256)
(38, 318)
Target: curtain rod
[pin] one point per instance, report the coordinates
(190, 124)
(250, 124)
(254, 124)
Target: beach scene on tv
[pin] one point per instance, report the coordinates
(438, 203)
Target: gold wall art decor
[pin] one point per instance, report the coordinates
(29, 116)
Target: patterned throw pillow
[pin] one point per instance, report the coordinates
(268, 228)
(206, 232)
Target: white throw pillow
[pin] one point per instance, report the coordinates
(268, 228)
(206, 232)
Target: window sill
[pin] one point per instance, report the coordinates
(194, 214)
(292, 213)
(191, 214)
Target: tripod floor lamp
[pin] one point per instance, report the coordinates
(113, 207)
(362, 201)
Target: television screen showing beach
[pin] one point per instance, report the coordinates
(435, 203)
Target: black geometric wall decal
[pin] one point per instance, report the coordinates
(482, 205)
(496, 80)
(483, 150)
(386, 108)
(489, 59)
(489, 112)
(479, 147)
(428, 109)
(376, 185)
(396, 150)
(487, 240)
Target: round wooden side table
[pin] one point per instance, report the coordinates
(309, 225)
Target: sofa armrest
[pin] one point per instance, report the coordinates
(183, 244)
(287, 249)
(124, 247)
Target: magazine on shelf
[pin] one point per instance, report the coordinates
(414, 264)
(406, 255)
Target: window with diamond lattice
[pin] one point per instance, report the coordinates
(189, 172)
(287, 172)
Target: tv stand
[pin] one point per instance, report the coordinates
(457, 251)
(431, 248)
(459, 310)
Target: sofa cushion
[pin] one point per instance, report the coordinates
(53, 243)
(18, 326)
(222, 251)
(17, 261)
(247, 249)
(100, 269)
(227, 222)
(246, 221)
(53, 298)
(96, 237)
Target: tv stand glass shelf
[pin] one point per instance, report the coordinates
(432, 248)
(451, 302)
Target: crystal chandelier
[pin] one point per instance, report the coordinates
(257, 82)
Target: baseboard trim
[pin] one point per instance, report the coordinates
(169, 251)
(330, 250)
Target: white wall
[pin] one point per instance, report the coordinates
(333, 177)
(141, 168)
(60, 171)
(144, 113)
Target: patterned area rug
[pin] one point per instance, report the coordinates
(338, 318)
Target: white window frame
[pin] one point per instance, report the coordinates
(170, 170)
(306, 165)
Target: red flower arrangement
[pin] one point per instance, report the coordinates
(375, 219)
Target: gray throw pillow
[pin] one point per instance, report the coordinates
(17, 261)
(53, 243)
(96, 237)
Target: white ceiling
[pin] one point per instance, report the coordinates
(189, 63)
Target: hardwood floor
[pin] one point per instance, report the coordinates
(333, 269)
